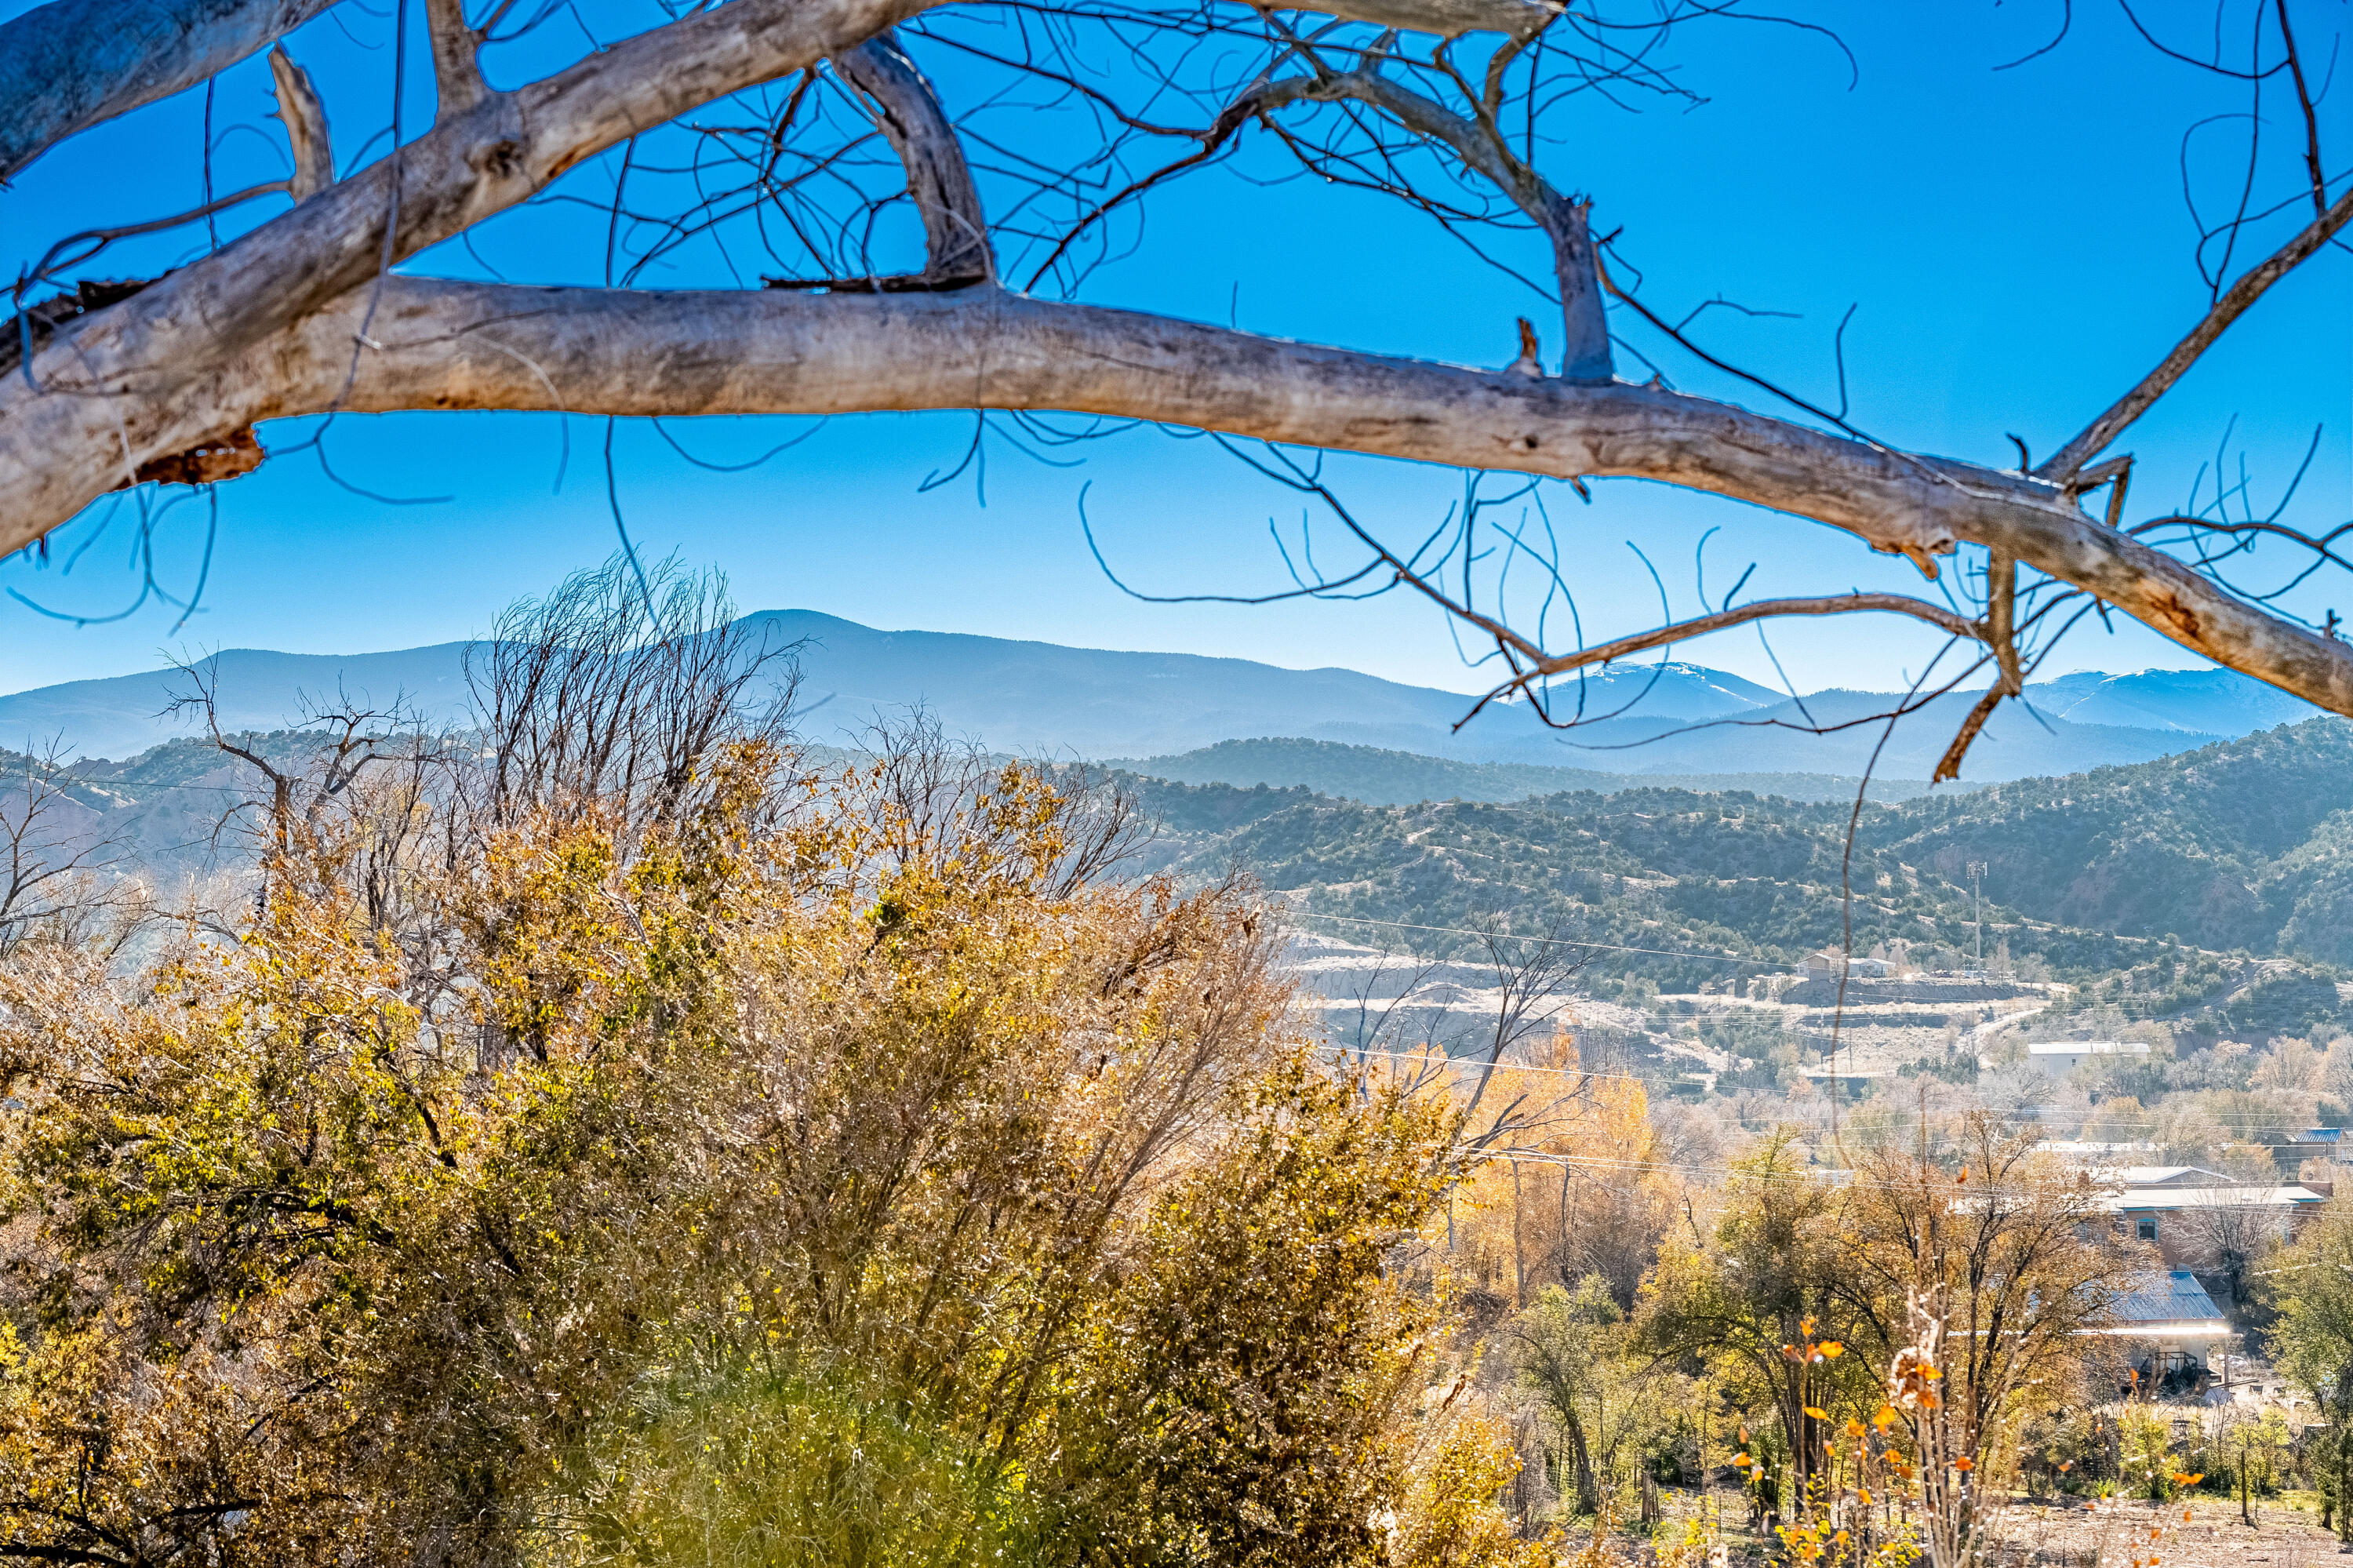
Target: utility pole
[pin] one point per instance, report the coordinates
(1977, 909)
(1519, 1262)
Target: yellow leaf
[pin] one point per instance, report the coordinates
(1818, 1413)
(1831, 1350)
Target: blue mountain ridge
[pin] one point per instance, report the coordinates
(1042, 698)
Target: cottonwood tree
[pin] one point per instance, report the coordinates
(756, 126)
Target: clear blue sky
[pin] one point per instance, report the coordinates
(2015, 244)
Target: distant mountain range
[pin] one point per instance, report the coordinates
(1041, 698)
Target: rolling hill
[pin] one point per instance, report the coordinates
(2171, 885)
(2244, 845)
(1381, 778)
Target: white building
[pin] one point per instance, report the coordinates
(1825, 965)
(2060, 1057)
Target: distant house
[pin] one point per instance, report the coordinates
(2324, 1143)
(2163, 1203)
(1825, 965)
(2170, 1312)
(2060, 1057)
(2136, 1178)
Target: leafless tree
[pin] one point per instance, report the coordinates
(614, 690)
(774, 134)
(56, 868)
(338, 744)
(1532, 972)
(926, 785)
(2224, 1233)
(1382, 1023)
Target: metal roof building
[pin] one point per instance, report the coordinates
(2170, 1310)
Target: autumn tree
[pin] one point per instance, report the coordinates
(2310, 1287)
(1971, 1271)
(573, 1156)
(1741, 1293)
(761, 128)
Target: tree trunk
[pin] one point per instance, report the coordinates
(1588, 1494)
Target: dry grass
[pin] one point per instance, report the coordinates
(2069, 1534)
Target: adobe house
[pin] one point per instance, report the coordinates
(1822, 968)
(2161, 1203)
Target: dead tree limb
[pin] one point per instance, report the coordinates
(955, 231)
(119, 383)
(2001, 632)
(1935, 614)
(1481, 147)
(2234, 303)
(468, 167)
(305, 119)
(72, 64)
(476, 346)
(457, 71)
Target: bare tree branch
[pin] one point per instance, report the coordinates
(457, 69)
(51, 869)
(1481, 147)
(466, 168)
(305, 119)
(2063, 464)
(472, 345)
(1446, 18)
(955, 232)
(2000, 630)
(1935, 614)
(72, 64)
